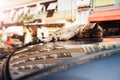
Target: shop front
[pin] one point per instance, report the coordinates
(109, 20)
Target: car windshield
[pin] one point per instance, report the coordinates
(40, 57)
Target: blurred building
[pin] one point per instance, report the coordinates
(52, 14)
(56, 14)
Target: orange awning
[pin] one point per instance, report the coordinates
(104, 16)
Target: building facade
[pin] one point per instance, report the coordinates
(52, 14)
(48, 11)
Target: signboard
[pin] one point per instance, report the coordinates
(104, 2)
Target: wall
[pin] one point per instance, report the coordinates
(66, 5)
(83, 11)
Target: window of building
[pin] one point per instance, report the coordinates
(33, 10)
(39, 9)
(7, 17)
(52, 6)
(20, 11)
(12, 13)
(83, 3)
(26, 10)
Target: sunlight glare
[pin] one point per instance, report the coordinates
(2, 3)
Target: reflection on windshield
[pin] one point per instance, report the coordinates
(39, 57)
